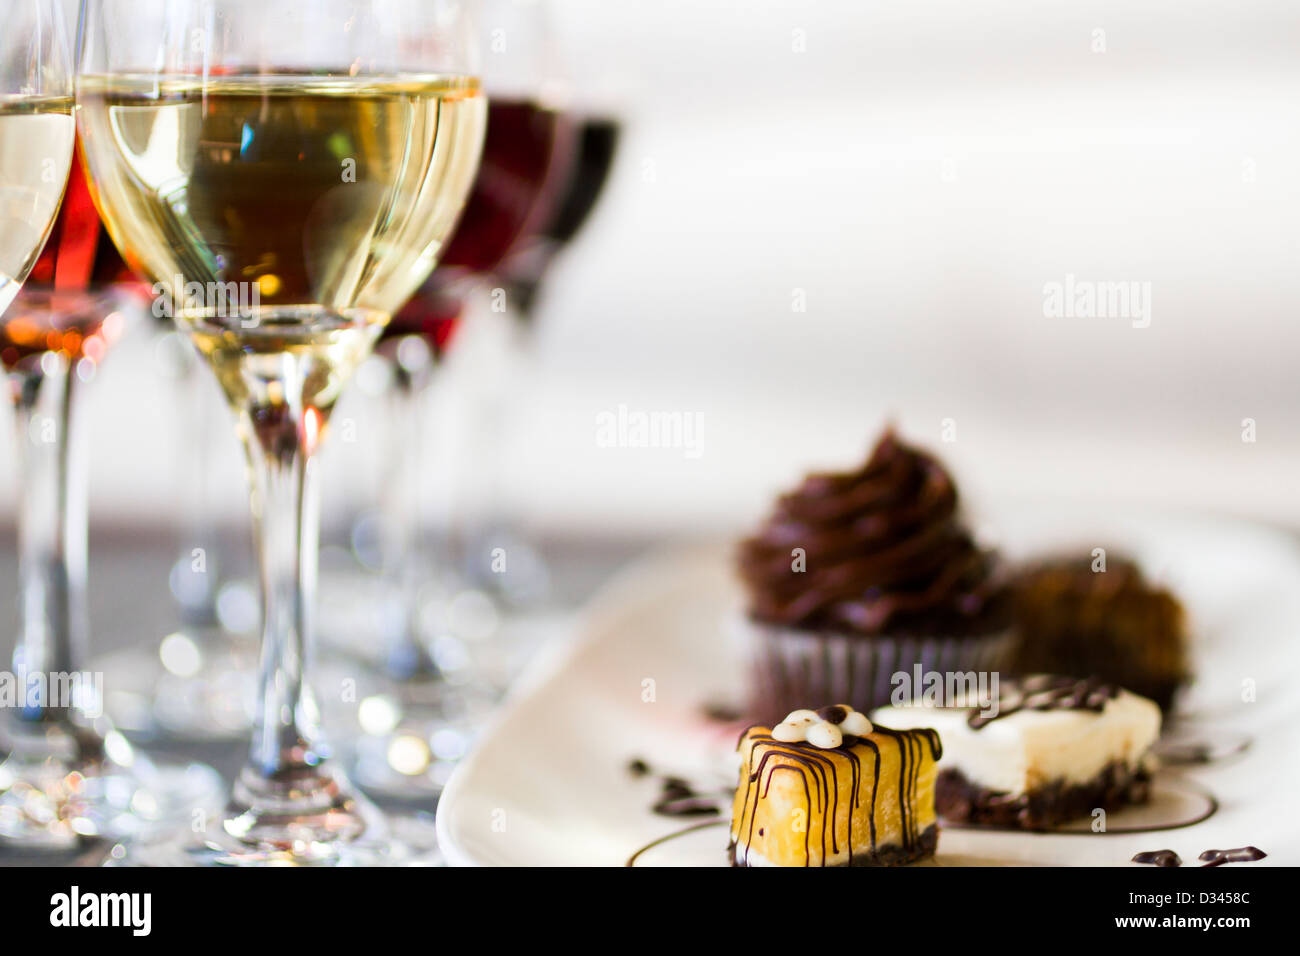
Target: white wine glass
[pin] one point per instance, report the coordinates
(68, 782)
(36, 138)
(426, 680)
(286, 172)
(36, 134)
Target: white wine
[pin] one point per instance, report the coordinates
(315, 204)
(36, 136)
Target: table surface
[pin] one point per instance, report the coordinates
(129, 602)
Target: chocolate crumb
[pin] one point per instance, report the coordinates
(722, 713)
(677, 798)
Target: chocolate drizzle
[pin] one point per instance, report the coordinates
(819, 775)
(1159, 858)
(1242, 854)
(668, 837)
(1046, 692)
(884, 552)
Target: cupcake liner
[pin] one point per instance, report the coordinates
(793, 669)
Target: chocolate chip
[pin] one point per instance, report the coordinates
(833, 714)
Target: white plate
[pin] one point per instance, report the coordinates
(549, 784)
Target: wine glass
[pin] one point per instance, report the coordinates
(287, 173)
(528, 159)
(66, 778)
(421, 697)
(580, 180)
(36, 134)
(73, 306)
(524, 272)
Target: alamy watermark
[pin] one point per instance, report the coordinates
(1092, 299)
(625, 427)
(224, 300)
(922, 688)
(41, 690)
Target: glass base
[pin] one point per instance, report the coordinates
(405, 764)
(51, 806)
(392, 840)
(194, 686)
(401, 739)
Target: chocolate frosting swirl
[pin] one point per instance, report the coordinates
(885, 553)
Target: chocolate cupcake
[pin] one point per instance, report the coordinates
(859, 575)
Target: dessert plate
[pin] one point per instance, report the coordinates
(632, 713)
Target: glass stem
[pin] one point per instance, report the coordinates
(498, 526)
(407, 657)
(51, 540)
(195, 591)
(289, 795)
(280, 442)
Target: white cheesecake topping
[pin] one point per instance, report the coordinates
(1025, 748)
(823, 728)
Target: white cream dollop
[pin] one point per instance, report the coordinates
(856, 724)
(812, 727)
(795, 726)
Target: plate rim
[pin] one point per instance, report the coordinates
(612, 597)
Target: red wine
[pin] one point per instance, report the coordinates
(597, 141)
(525, 147)
(432, 314)
(526, 152)
(76, 324)
(78, 253)
(54, 312)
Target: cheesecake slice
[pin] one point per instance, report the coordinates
(829, 788)
(1041, 751)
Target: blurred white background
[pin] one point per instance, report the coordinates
(914, 173)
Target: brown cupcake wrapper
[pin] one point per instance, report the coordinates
(795, 669)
